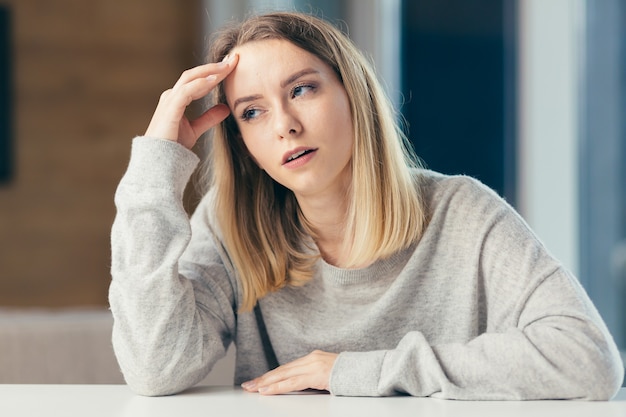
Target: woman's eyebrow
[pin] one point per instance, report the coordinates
(297, 75)
(246, 99)
(283, 84)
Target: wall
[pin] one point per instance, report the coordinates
(87, 77)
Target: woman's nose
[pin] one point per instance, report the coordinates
(287, 123)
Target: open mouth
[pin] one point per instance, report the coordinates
(298, 154)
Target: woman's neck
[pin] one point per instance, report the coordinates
(327, 216)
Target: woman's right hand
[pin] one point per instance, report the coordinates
(169, 120)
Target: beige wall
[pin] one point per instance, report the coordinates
(87, 76)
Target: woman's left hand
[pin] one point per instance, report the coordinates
(310, 371)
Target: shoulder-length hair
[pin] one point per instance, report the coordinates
(266, 235)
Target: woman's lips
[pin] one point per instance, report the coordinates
(293, 155)
(299, 157)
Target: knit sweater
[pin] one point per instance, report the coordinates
(477, 309)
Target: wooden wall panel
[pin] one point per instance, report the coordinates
(87, 77)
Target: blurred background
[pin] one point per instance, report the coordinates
(526, 95)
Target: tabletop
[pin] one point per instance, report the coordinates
(119, 400)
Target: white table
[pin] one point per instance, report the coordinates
(118, 400)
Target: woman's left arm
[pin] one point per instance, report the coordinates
(564, 355)
(559, 349)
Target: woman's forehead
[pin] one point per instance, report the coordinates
(271, 51)
(269, 63)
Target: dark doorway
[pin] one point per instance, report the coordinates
(458, 85)
(6, 149)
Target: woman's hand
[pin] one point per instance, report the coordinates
(169, 120)
(310, 371)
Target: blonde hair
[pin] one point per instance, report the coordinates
(265, 234)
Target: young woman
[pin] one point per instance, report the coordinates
(324, 253)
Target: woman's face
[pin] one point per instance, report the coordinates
(294, 116)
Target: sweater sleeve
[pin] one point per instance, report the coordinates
(543, 337)
(172, 320)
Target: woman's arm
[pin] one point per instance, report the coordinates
(551, 354)
(170, 323)
(559, 350)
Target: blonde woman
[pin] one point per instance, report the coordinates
(324, 253)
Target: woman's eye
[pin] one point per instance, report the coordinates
(250, 114)
(301, 89)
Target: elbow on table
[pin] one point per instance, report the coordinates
(603, 379)
(157, 381)
(153, 385)
(154, 372)
(610, 383)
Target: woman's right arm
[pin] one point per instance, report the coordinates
(170, 323)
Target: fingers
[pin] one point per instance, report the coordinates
(203, 123)
(203, 71)
(176, 100)
(310, 371)
(197, 82)
(210, 118)
(169, 121)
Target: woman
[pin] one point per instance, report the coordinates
(324, 253)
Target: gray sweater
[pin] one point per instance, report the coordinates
(478, 309)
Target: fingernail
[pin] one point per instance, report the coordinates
(224, 62)
(263, 389)
(248, 385)
(211, 77)
(228, 59)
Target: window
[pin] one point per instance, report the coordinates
(602, 162)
